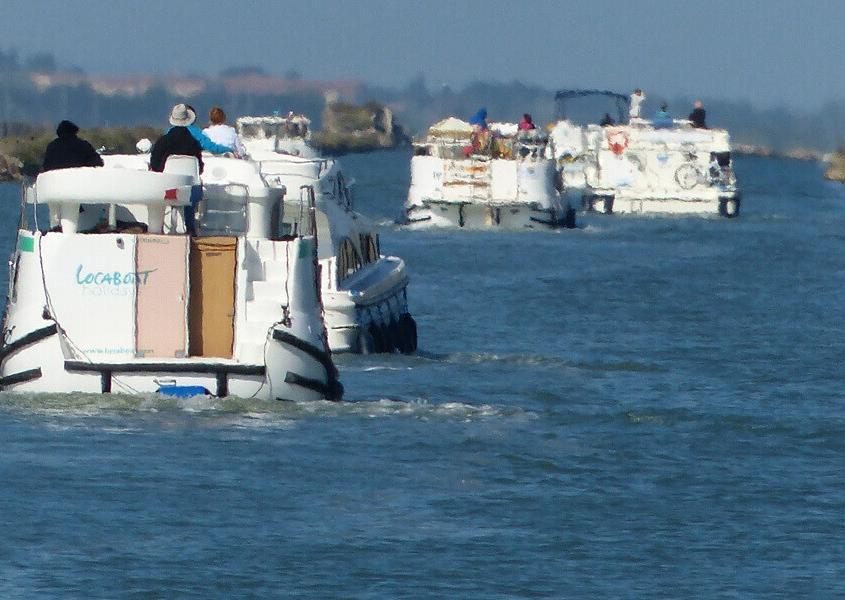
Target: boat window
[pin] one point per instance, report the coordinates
(251, 131)
(348, 259)
(369, 248)
(280, 129)
(452, 152)
(344, 193)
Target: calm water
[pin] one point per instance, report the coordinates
(644, 407)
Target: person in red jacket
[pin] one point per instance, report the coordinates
(526, 123)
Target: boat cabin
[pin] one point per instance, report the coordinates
(271, 133)
(454, 139)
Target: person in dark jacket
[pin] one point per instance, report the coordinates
(178, 140)
(697, 115)
(68, 151)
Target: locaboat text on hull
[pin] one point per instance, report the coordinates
(118, 296)
(498, 180)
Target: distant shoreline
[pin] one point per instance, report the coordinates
(347, 128)
(765, 152)
(21, 155)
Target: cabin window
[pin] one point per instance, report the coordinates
(344, 193)
(251, 131)
(369, 248)
(348, 259)
(453, 152)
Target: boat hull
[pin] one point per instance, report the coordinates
(484, 216)
(79, 320)
(714, 204)
(363, 309)
(369, 313)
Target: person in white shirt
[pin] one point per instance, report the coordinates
(223, 134)
(636, 101)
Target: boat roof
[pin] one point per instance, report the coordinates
(273, 120)
(562, 96)
(453, 128)
(450, 127)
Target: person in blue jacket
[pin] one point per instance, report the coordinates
(479, 119)
(662, 118)
(204, 141)
(480, 138)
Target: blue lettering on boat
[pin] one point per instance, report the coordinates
(111, 277)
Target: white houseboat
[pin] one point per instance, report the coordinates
(632, 166)
(364, 292)
(115, 295)
(503, 180)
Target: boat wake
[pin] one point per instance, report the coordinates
(71, 410)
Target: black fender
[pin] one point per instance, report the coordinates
(379, 343)
(409, 333)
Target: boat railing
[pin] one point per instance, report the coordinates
(344, 194)
(519, 147)
(27, 191)
(305, 223)
(223, 210)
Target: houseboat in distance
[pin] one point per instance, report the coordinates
(637, 165)
(501, 179)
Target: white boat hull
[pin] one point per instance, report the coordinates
(474, 192)
(616, 202)
(370, 312)
(639, 169)
(366, 307)
(66, 348)
(115, 312)
(477, 216)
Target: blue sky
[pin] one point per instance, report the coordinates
(768, 52)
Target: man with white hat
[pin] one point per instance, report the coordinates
(178, 140)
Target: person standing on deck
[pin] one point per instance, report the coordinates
(635, 103)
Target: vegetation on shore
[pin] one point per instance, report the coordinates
(353, 128)
(836, 169)
(23, 153)
(347, 128)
